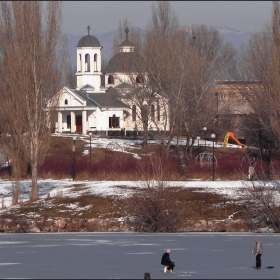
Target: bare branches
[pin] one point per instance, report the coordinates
(31, 71)
(154, 208)
(261, 202)
(260, 61)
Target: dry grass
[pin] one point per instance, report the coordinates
(108, 165)
(193, 204)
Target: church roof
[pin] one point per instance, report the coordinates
(122, 63)
(145, 93)
(107, 99)
(88, 41)
(124, 85)
(126, 43)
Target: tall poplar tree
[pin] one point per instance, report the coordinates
(31, 65)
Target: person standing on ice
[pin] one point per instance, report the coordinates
(165, 260)
(258, 251)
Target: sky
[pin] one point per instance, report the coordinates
(104, 16)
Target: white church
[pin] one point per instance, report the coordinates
(104, 109)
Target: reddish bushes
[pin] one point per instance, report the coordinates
(110, 165)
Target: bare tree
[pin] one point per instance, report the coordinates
(260, 204)
(260, 61)
(184, 63)
(154, 208)
(178, 67)
(31, 63)
(206, 58)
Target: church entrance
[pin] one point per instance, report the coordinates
(78, 123)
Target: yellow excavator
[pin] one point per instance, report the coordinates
(231, 135)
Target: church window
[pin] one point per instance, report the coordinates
(111, 79)
(140, 79)
(114, 121)
(95, 62)
(68, 121)
(158, 112)
(134, 113)
(66, 101)
(80, 63)
(87, 63)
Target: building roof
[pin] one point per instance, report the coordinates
(122, 63)
(88, 41)
(145, 93)
(124, 85)
(126, 43)
(107, 99)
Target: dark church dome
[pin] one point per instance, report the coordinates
(121, 62)
(88, 41)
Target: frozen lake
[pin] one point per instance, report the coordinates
(130, 255)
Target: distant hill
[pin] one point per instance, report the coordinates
(236, 37)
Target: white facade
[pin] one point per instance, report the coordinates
(76, 115)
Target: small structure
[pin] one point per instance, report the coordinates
(206, 159)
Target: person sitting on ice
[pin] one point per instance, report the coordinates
(167, 262)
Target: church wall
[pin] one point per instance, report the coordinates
(118, 79)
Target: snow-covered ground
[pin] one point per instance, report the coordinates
(112, 188)
(106, 188)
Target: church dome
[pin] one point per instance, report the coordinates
(88, 41)
(121, 62)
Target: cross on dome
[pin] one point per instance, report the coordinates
(88, 28)
(126, 31)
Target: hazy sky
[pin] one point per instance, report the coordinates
(103, 16)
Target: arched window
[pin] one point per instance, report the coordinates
(80, 63)
(68, 121)
(95, 63)
(134, 113)
(66, 101)
(111, 79)
(158, 112)
(87, 63)
(140, 79)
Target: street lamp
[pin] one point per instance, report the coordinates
(213, 160)
(74, 158)
(90, 134)
(204, 129)
(198, 138)
(217, 114)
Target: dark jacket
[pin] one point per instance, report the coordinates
(165, 259)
